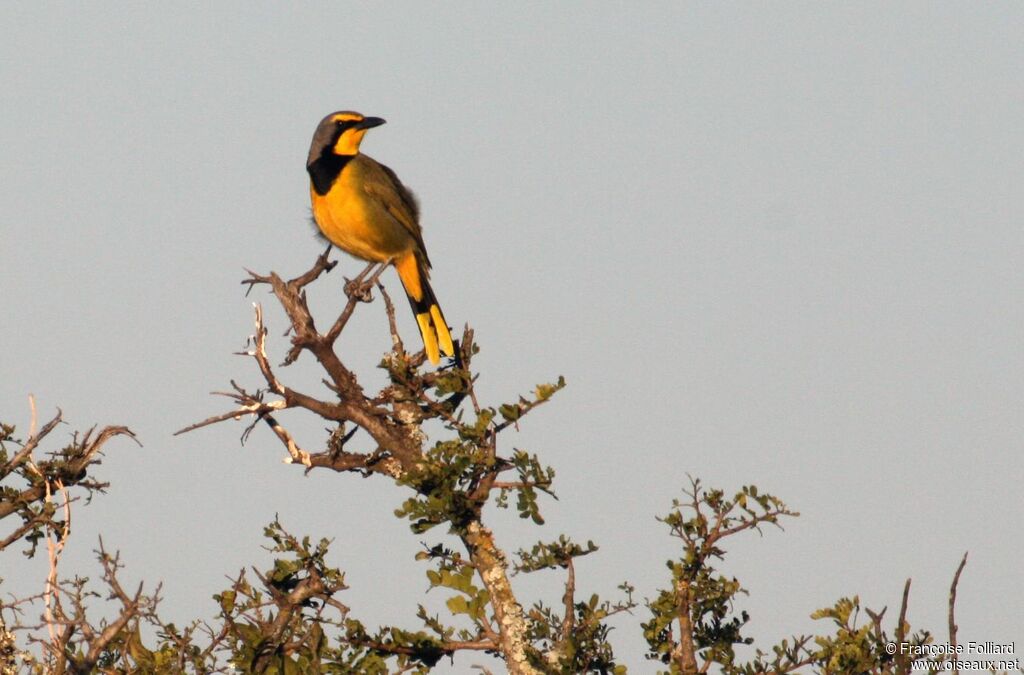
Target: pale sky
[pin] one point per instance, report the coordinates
(770, 244)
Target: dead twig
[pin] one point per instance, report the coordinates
(953, 628)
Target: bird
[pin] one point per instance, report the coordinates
(362, 207)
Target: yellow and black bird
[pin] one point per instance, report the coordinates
(362, 207)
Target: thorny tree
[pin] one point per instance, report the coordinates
(451, 480)
(37, 494)
(291, 620)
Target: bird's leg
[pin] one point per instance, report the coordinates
(360, 287)
(359, 277)
(376, 275)
(356, 287)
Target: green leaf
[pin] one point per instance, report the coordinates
(457, 604)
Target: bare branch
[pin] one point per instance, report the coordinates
(32, 443)
(352, 406)
(902, 659)
(66, 468)
(357, 291)
(952, 605)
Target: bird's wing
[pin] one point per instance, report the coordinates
(383, 185)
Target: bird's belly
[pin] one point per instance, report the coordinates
(357, 227)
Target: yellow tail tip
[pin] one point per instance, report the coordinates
(429, 337)
(444, 336)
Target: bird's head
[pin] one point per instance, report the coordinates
(340, 133)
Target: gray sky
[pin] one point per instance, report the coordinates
(765, 244)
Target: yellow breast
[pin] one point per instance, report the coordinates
(351, 221)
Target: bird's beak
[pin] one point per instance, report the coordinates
(370, 122)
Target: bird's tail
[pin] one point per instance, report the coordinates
(433, 328)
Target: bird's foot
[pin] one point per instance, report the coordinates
(359, 289)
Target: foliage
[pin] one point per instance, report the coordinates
(289, 617)
(700, 599)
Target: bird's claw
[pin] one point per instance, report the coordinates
(359, 289)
